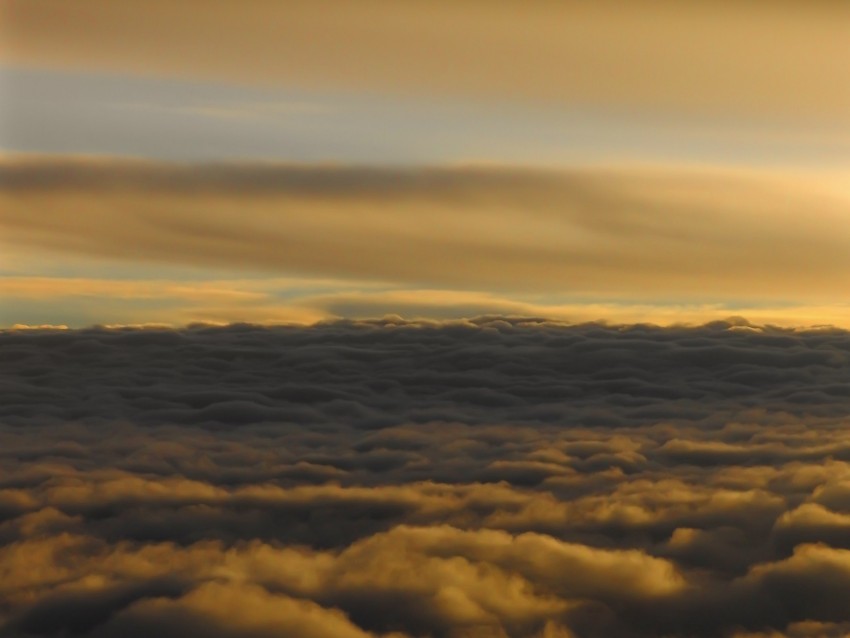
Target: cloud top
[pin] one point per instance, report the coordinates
(501, 477)
(504, 477)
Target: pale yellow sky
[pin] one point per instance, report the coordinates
(779, 59)
(666, 241)
(695, 158)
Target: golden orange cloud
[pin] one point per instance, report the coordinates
(783, 59)
(638, 234)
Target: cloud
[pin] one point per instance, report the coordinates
(785, 61)
(231, 610)
(271, 300)
(504, 477)
(51, 287)
(635, 234)
(463, 371)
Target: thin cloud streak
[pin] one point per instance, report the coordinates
(632, 233)
(786, 60)
(306, 301)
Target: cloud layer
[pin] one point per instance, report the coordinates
(634, 233)
(500, 477)
(785, 60)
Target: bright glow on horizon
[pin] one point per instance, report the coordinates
(559, 158)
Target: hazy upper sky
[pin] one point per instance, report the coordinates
(292, 161)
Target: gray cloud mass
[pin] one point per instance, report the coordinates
(497, 477)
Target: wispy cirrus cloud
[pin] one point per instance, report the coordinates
(632, 233)
(786, 61)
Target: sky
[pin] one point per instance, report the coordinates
(424, 319)
(272, 162)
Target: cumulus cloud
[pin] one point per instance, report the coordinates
(503, 477)
(631, 233)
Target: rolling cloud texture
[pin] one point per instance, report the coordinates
(498, 477)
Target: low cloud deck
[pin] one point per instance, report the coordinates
(495, 477)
